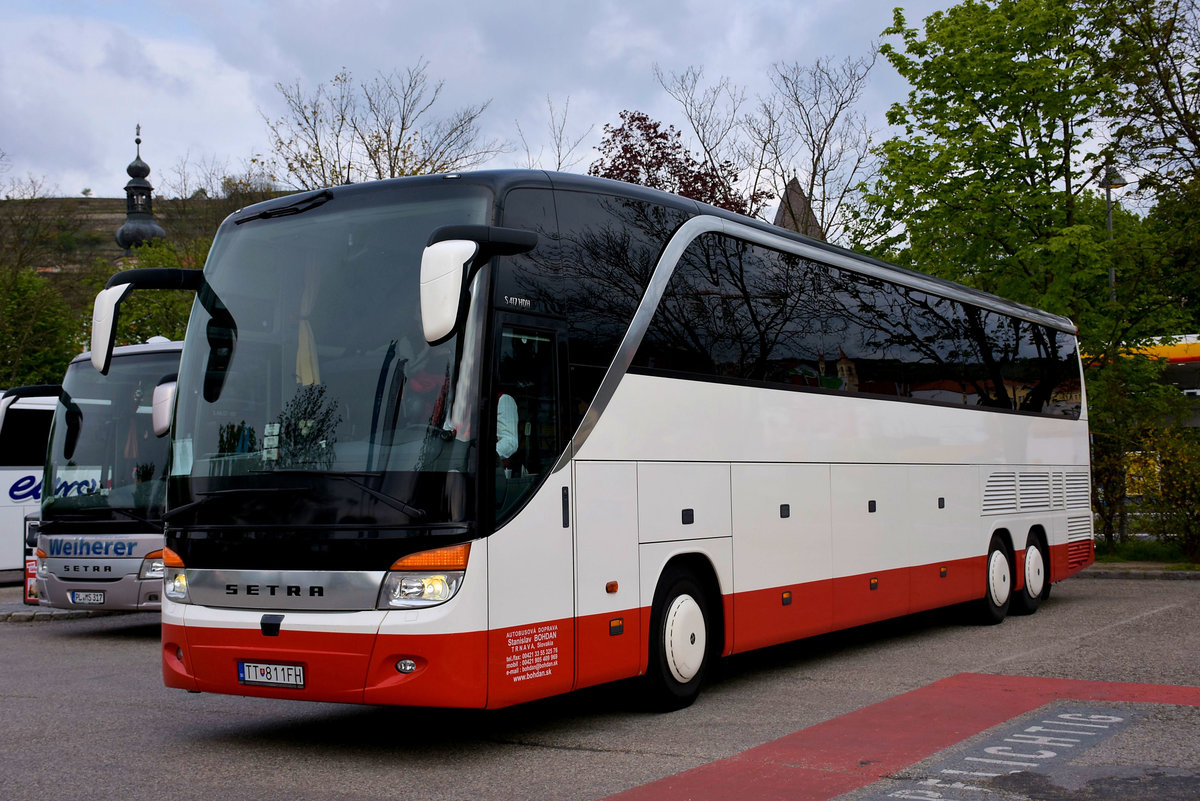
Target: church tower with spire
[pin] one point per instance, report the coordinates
(139, 227)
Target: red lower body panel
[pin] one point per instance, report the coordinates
(450, 669)
(508, 666)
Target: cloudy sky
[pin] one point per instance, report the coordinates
(76, 77)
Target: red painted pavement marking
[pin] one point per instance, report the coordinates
(862, 747)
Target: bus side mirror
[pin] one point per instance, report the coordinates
(447, 265)
(444, 266)
(163, 407)
(104, 323)
(108, 303)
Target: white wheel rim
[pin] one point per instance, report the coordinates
(685, 638)
(1035, 571)
(999, 580)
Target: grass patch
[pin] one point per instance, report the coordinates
(1144, 549)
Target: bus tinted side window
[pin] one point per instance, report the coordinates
(608, 248)
(740, 312)
(24, 436)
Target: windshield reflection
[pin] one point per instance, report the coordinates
(306, 359)
(103, 452)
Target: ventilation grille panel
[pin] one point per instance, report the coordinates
(1079, 493)
(1000, 494)
(1034, 491)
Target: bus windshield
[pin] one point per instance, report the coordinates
(103, 455)
(307, 375)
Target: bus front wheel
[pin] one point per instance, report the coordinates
(997, 594)
(679, 645)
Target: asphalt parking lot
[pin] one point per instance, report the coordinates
(886, 711)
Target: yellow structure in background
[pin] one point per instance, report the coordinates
(1181, 350)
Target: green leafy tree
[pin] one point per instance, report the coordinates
(36, 324)
(1128, 405)
(1174, 487)
(990, 168)
(36, 327)
(993, 183)
(158, 313)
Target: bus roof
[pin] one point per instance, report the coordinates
(163, 346)
(502, 181)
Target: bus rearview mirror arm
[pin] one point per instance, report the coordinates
(107, 308)
(450, 259)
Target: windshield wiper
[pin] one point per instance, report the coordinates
(306, 203)
(205, 497)
(349, 477)
(132, 515)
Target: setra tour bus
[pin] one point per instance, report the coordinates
(100, 539)
(469, 440)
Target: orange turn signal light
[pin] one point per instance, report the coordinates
(170, 558)
(453, 557)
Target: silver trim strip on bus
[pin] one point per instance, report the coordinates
(294, 590)
(703, 224)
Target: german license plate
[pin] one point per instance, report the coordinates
(92, 598)
(270, 674)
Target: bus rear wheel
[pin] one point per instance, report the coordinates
(680, 648)
(1037, 583)
(997, 596)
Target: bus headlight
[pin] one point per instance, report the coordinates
(175, 583)
(152, 566)
(175, 586)
(427, 578)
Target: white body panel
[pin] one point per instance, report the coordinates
(529, 562)
(606, 531)
(771, 550)
(657, 419)
(727, 456)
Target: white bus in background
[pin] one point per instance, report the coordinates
(476, 439)
(99, 543)
(25, 415)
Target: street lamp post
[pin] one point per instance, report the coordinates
(1112, 180)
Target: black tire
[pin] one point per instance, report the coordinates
(681, 642)
(1034, 568)
(998, 582)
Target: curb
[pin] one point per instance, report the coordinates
(1148, 575)
(35, 614)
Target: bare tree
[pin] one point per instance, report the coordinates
(713, 115)
(806, 130)
(1155, 59)
(566, 148)
(809, 130)
(197, 194)
(314, 140)
(343, 132)
(711, 112)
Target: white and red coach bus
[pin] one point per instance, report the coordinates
(471, 440)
